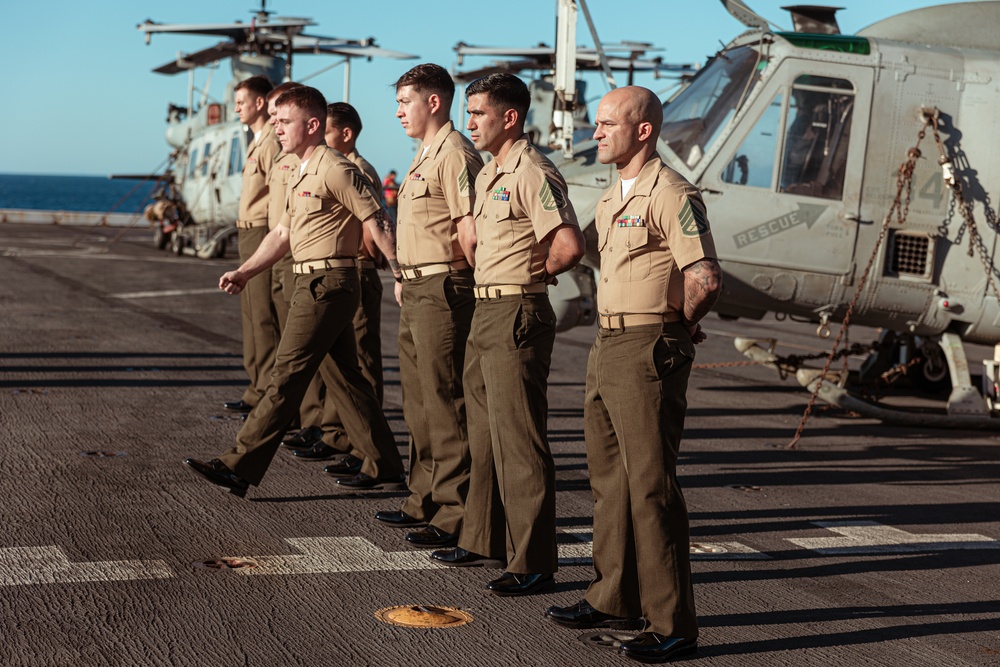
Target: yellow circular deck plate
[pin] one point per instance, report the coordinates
(423, 616)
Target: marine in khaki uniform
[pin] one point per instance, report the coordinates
(658, 279)
(526, 232)
(434, 236)
(282, 277)
(326, 201)
(343, 125)
(261, 330)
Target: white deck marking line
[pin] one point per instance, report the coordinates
(871, 537)
(21, 566)
(338, 554)
(168, 292)
(582, 553)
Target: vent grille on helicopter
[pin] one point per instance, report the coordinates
(909, 255)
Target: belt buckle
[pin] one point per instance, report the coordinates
(611, 324)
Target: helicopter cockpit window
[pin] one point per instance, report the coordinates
(204, 160)
(235, 157)
(193, 162)
(816, 137)
(693, 120)
(753, 165)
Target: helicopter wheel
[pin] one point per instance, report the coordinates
(176, 244)
(931, 375)
(160, 240)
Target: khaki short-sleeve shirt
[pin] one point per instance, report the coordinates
(436, 190)
(516, 208)
(325, 207)
(647, 239)
(284, 167)
(369, 171)
(256, 169)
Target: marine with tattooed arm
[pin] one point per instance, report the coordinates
(659, 277)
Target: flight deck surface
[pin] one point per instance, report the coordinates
(866, 545)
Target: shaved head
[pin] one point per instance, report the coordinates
(628, 124)
(638, 105)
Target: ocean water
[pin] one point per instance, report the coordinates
(74, 193)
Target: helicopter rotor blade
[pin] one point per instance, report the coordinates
(207, 56)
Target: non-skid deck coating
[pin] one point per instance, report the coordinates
(868, 545)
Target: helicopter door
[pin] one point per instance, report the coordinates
(785, 191)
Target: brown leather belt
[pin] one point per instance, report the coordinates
(487, 292)
(324, 265)
(414, 272)
(621, 321)
(367, 264)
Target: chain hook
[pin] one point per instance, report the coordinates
(823, 330)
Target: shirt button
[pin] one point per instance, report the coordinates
(611, 249)
(605, 279)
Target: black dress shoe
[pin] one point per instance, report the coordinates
(363, 482)
(349, 466)
(398, 518)
(432, 537)
(520, 584)
(320, 451)
(217, 473)
(459, 557)
(583, 615)
(238, 406)
(306, 437)
(654, 647)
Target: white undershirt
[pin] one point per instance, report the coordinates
(302, 167)
(423, 154)
(627, 185)
(256, 135)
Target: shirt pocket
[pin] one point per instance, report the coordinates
(252, 168)
(311, 204)
(636, 241)
(502, 216)
(416, 189)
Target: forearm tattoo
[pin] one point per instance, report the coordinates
(385, 222)
(702, 286)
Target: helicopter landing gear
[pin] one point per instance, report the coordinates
(160, 239)
(212, 244)
(177, 244)
(923, 361)
(930, 375)
(966, 407)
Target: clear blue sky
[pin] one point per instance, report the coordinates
(80, 98)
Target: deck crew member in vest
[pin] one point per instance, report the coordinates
(261, 330)
(326, 201)
(434, 243)
(343, 125)
(526, 233)
(658, 279)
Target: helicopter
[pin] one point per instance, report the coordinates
(806, 145)
(197, 199)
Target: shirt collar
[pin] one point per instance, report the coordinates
(644, 182)
(515, 154)
(438, 141)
